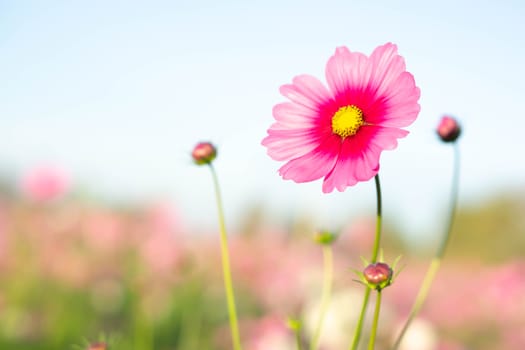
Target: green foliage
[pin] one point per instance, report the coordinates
(492, 231)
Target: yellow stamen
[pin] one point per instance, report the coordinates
(347, 120)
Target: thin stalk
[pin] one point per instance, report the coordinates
(328, 264)
(295, 325)
(373, 332)
(228, 285)
(143, 336)
(375, 253)
(298, 342)
(377, 239)
(360, 322)
(440, 253)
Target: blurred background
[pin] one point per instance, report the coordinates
(106, 226)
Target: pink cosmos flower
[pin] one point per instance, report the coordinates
(45, 183)
(339, 132)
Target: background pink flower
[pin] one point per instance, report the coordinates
(339, 132)
(45, 183)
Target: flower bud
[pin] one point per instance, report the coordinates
(448, 129)
(324, 237)
(378, 275)
(294, 324)
(204, 153)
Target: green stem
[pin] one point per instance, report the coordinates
(440, 253)
(377, 239)
(359, 326)
(230, 297)
(143, 336)
(298, 342)
(453, 203)
(373, 332)
(375, 253)
(328, 263)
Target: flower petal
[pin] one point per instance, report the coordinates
(346, 71)
(306, 91)
(386, 137)
(386, 66)
(293, 135)
(315, 164)
(359, 156)
(401, 103)
(290, 115)
(378, 85)
(287, 144)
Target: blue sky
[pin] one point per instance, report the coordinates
(118, 92)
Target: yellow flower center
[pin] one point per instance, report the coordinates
(347, 120)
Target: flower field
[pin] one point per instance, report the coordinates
(74, 272)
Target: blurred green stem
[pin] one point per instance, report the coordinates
(438, 258)
(142, 328)
(373, 332)
(375, 252)
(298, 342)
(328, 264)
(230, 297)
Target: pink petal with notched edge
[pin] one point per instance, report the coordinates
(312, 88)
(346, 69)
(283, 144)
(402, 107)
(293, 134)
(324, 157)
(289, 115)
(388, 65)
(386, 137)
(306, 91)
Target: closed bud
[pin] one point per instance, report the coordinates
(378, 275)
(324, 237)
(294, 324)
(448, 129)
(204, 153)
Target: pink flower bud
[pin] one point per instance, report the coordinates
(204, 153)
(448, 129)
(378, 275)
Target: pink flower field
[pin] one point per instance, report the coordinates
(71, 271)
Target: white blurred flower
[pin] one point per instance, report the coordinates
(421, 335)
(340, 320)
